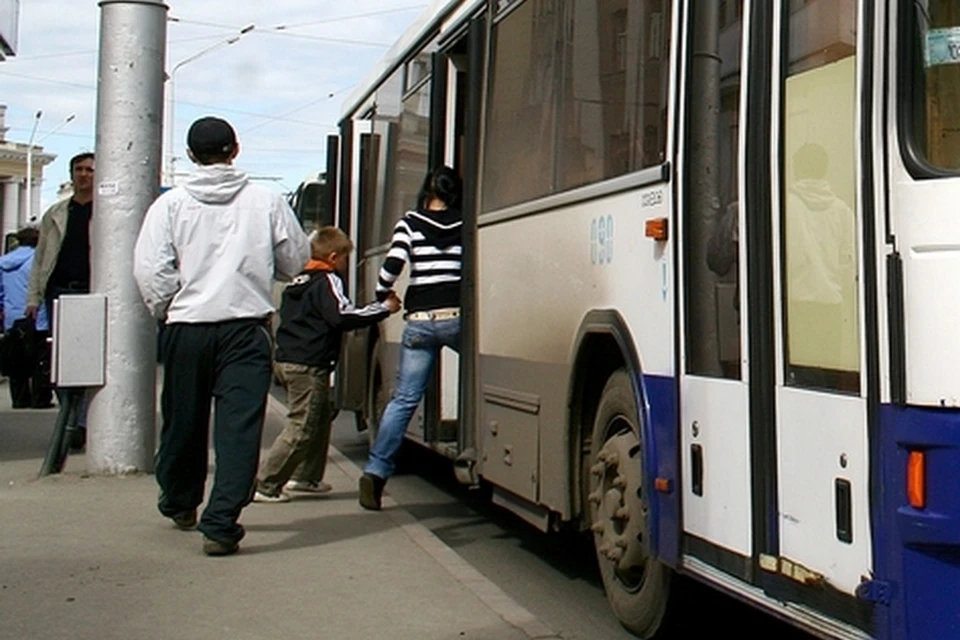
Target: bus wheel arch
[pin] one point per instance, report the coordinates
(636, 583)
(607, 427)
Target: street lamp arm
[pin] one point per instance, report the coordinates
(203, 52)
(67, 121)
(171, 102)
(223, 43)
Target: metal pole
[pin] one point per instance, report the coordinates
(168, 129)
(704, 182)
(28, 211)
(122, 414)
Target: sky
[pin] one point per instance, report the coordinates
(282, 85)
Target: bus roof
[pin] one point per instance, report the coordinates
(428, 20)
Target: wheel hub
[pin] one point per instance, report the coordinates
(620, 513)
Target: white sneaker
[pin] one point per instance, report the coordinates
(264, 497)
(307, 486)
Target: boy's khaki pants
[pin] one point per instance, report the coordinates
(303, 443)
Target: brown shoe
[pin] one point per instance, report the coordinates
(213, 547)
(371, 491)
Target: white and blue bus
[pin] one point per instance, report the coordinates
(711, 294)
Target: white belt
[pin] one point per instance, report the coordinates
(435, 314)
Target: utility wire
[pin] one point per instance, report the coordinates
(86, 52)
(283, 27)
(268, 117)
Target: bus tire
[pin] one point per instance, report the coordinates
(636, 584)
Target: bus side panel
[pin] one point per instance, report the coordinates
(539, 276)
(918, 550)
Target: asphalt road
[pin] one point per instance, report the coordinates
(553, 576)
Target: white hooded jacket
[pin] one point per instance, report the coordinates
(208, 251)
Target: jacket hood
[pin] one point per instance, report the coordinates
(816, 194)
(447, 224)
(298, 286)
(215, 183)
(15, 259)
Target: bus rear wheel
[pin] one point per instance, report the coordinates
(636, 584)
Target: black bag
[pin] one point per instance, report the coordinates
(18, 349)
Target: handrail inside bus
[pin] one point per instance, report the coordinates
(644, 178)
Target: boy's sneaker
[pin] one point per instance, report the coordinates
(308, 486)
(213, 547)
(266, 497)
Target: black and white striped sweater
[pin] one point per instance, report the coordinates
(431, 242)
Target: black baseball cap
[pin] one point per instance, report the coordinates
(211, 136)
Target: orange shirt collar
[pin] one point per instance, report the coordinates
(318, 265)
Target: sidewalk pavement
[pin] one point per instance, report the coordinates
(90, 557)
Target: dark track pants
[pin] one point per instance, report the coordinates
(229, 362)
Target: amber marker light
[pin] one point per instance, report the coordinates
(917, 479)
(657, 229)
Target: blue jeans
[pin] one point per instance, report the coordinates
(420, 347)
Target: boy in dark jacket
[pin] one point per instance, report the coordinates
(314, 313)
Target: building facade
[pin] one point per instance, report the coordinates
(13, 182)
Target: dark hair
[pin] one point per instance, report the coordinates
(80, 157)
(28, 237)
(443, 183)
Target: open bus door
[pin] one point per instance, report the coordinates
(358, 171)
(459, 146)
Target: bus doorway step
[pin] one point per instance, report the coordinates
(465, 467)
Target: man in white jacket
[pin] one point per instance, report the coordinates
(207, 254)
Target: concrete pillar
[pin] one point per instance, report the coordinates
(122, 414)
(11, 208)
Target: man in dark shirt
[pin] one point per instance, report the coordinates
(62, 263)
(71, 274)
(62, 260)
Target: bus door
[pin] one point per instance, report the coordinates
(714, 368)
(360, 173)
(773, 410)
(458, 69)
(820, 539)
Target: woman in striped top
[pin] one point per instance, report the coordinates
(430, 240)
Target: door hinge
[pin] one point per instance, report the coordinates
(876, 591)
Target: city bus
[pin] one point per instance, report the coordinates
(311, 202)
(711, 258)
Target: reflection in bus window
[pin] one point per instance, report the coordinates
(820, 277)
(935, 73)
(409, 160)
(578, 94)
(711, 211)
(402, 128)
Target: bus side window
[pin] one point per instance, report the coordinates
(711, 209)
(933, 85)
